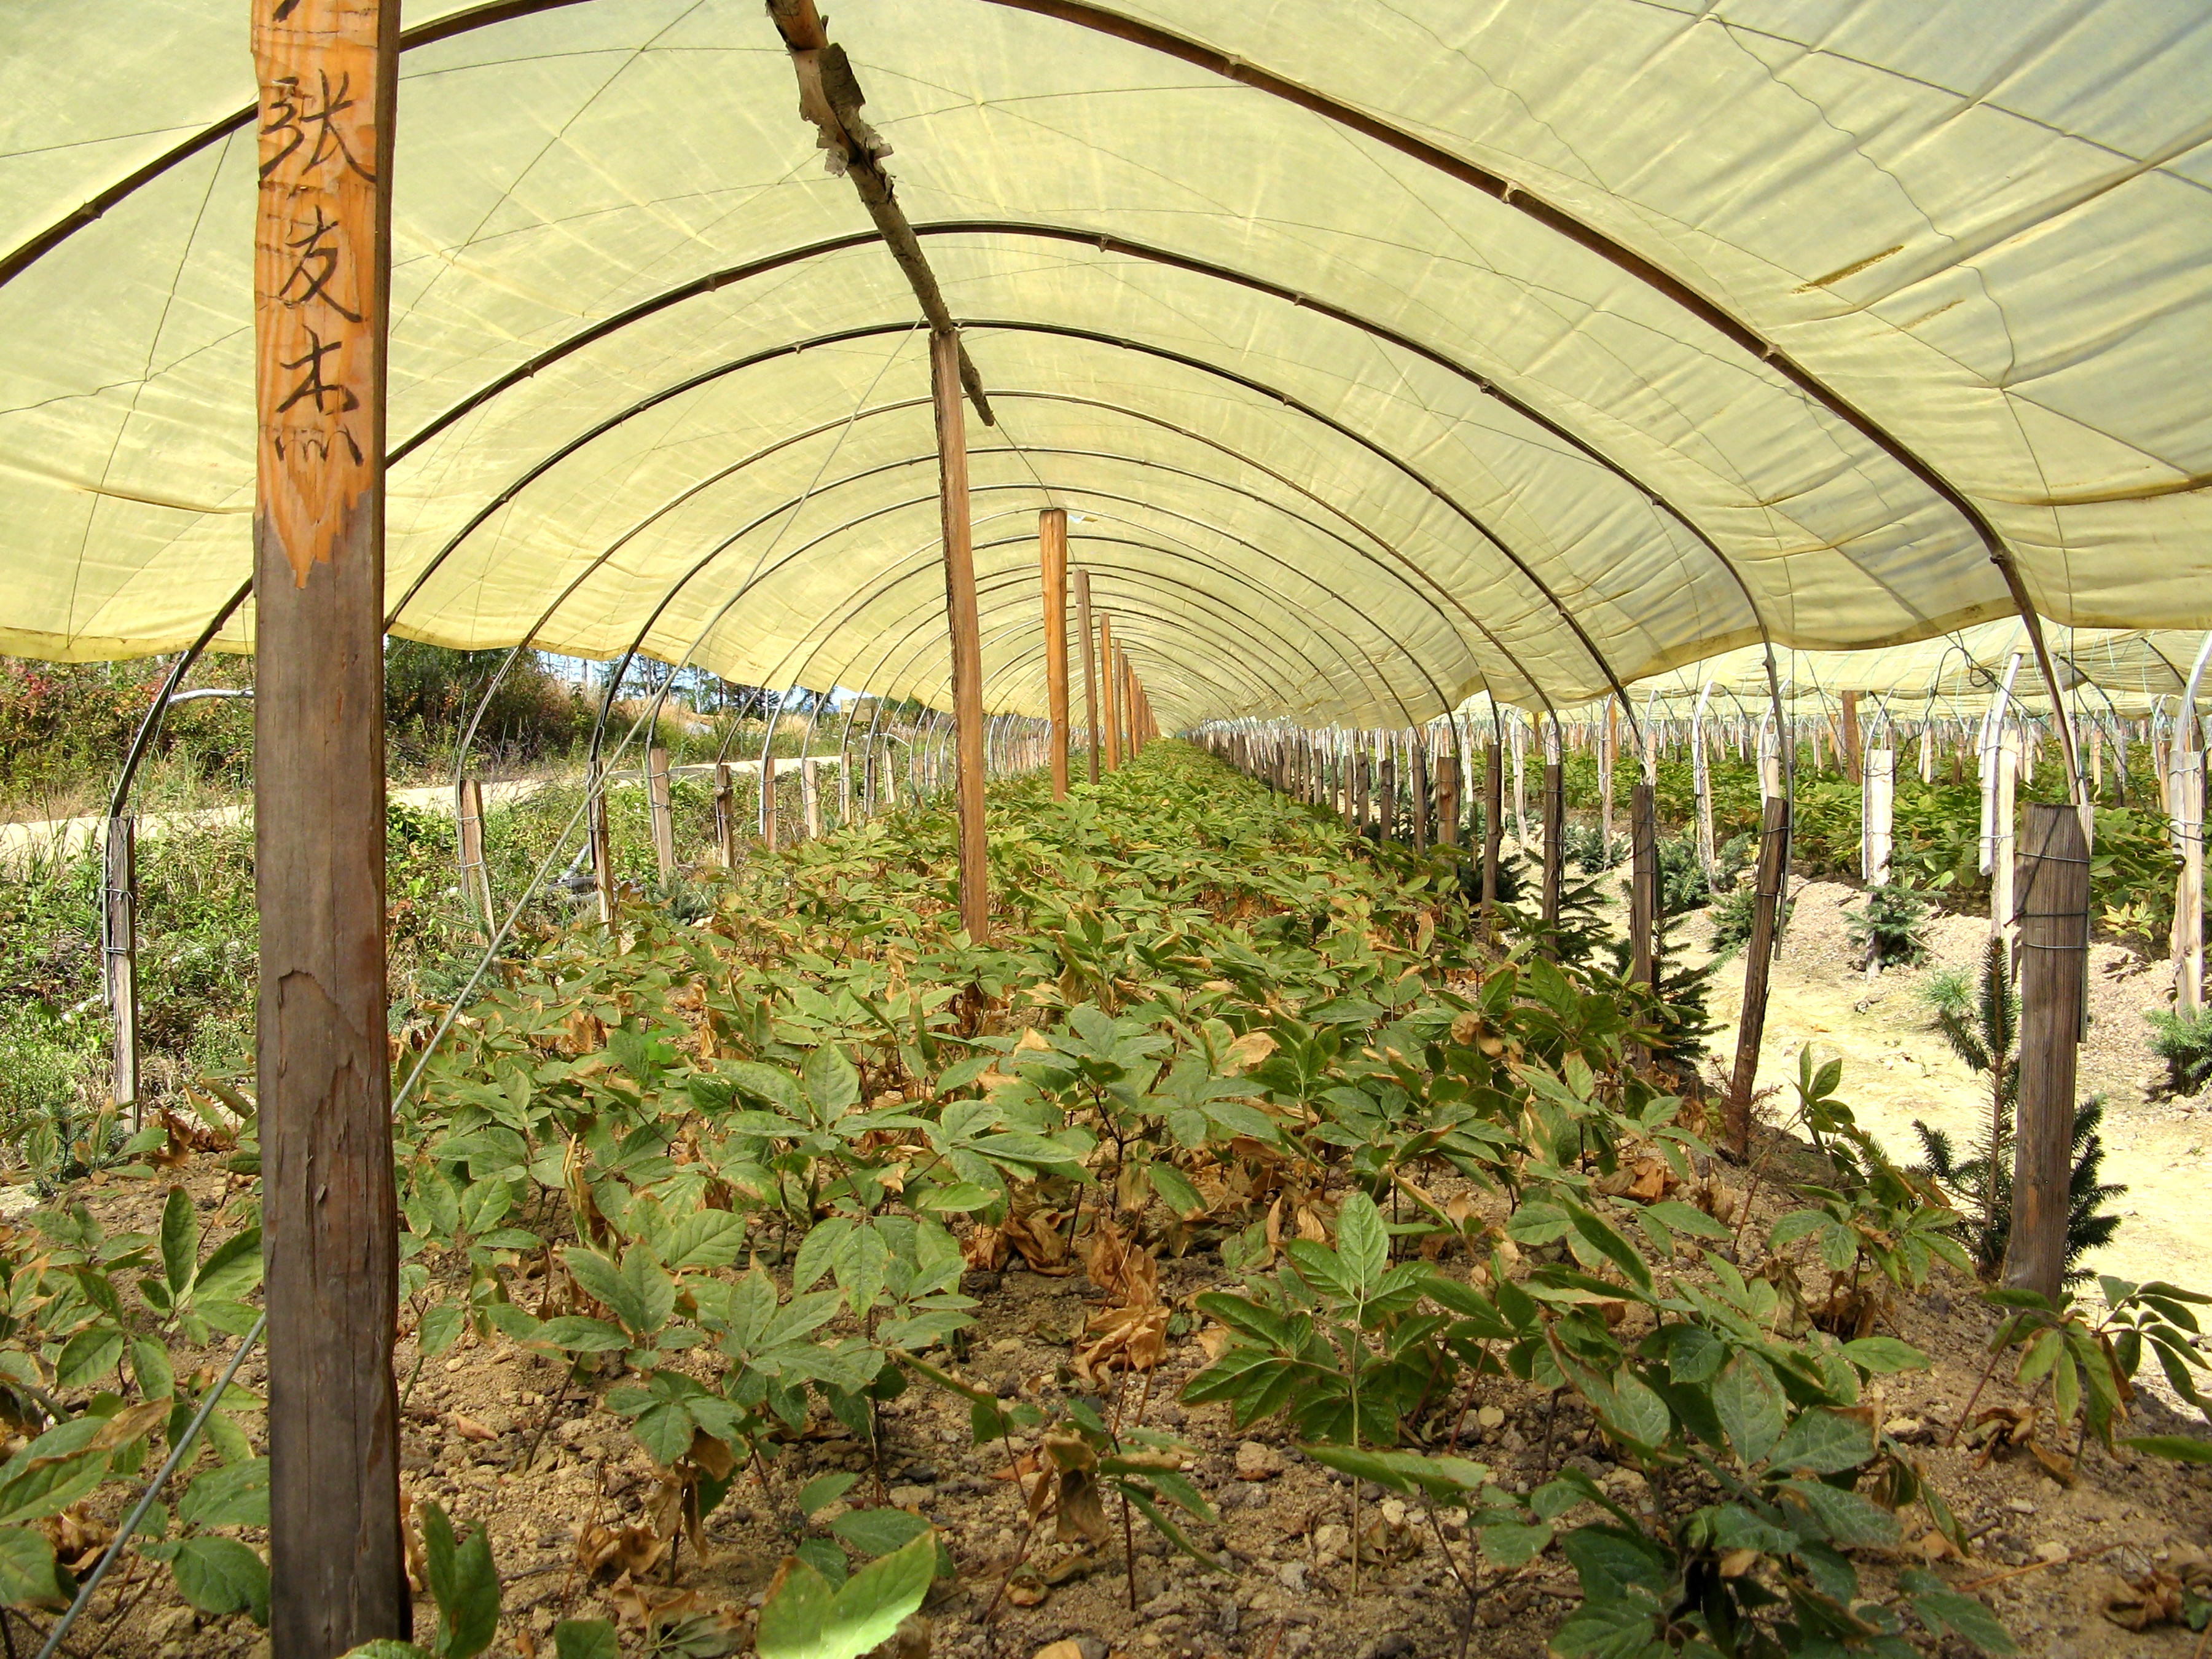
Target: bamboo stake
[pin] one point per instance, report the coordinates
(966, 631)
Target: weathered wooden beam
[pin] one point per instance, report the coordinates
(1052, 557)
(810, 796)
(829, 96)
(1853, 765)
(327, 72)
(2054, 957)
(966, 632)
(119, 961)
(1758, 966)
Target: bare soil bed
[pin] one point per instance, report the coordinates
(487, 1433)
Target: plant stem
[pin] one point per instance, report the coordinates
(1951, 1438)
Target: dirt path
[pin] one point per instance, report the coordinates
(49, 837)
(1896, 1069)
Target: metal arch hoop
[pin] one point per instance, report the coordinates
(691, 491)
(570, 446)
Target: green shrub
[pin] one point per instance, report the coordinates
(2183, 1041)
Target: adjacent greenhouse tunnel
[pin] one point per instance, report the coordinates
(1367, 396)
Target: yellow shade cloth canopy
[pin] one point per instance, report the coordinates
(1344, 433)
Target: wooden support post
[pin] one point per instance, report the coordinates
(602, 841)
(326, 71)
(1519, 788)
(1386, 794)
(2004, 770)
(1109, 691)
(1608, 749)
(1643, 884)
(1878, 795)
(1089, 638)
(475, 877)
(2187, 795)
(1853, 767)
(966, 631)
(1424, 802)
(1447, 769)
(810, 796)
(1341, 761)
(1052, 557)
(119, 961)
(1701, 779)
(1362, 780)
(769, 818)
(726, 814)
(662, 809)
(2054, 956)
(1493, 820)
(1555, 840)
(1758, 964)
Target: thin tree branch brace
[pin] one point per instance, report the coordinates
(830, 97)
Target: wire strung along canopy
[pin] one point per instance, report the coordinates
(1382, 356)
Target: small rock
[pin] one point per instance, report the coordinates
(1489, 1417)
(1007, 1386)
(1514, 1440)
(979, 1281)
(176, 1623)
(1291, 1575)
(2051, 1550)
(1330, 1539)
(1391, 1644)
(1258, 1461)
(920, 1475)
(1907, 1429)
(910, 1497)
(2019, 1506)
(1395, 1511)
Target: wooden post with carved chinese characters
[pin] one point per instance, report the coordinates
(1052, 559)
(326, 71)
(963, 623)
